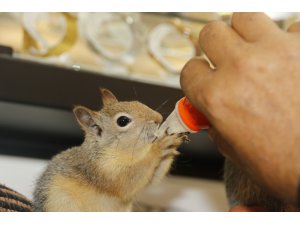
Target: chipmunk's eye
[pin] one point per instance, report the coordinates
(123, 121)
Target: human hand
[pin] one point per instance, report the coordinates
(252, 97)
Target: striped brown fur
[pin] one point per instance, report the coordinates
(12, 201)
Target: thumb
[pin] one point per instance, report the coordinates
(225, 147)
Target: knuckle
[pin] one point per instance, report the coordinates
(236, 17)
(241, 17)
(243, 64)
(295, 27)
(211, 29)
(191, 63)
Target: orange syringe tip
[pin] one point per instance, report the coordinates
(190, 116)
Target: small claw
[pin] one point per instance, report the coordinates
(187, 140)
(185, 137)
(167, 131)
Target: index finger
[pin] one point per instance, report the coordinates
(194, 79)
(219, 41)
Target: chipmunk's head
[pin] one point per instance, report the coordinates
(121, 127)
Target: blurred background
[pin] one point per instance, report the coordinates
(50, 62)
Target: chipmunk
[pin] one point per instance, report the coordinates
(119, 157)
(242, 190)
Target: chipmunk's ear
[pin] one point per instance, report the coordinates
(108, 98)
(85, 118)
